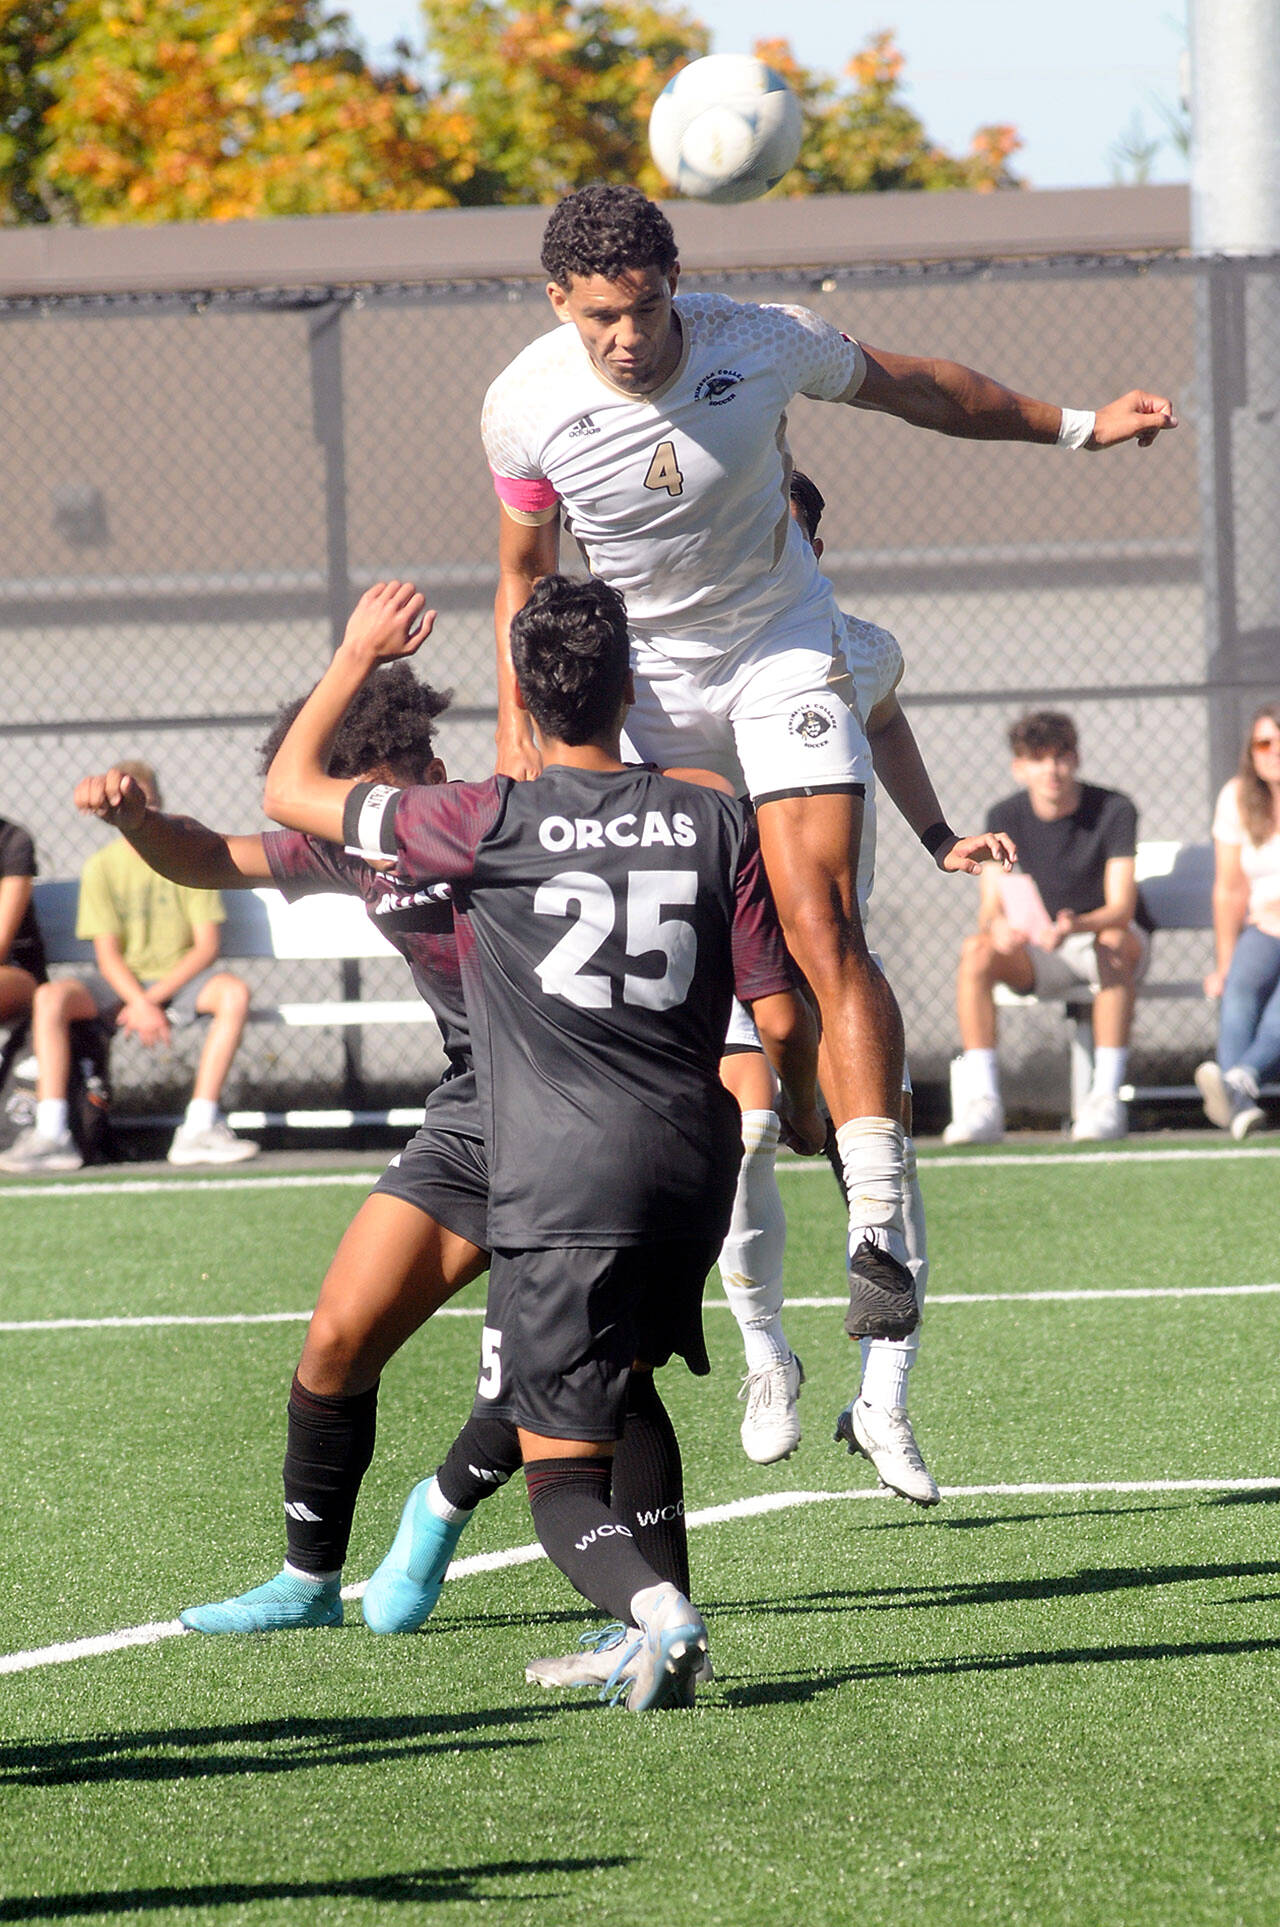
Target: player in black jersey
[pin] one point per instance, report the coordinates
(420, 1236)
(605, 916)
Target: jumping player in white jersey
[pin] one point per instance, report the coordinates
(657, 426)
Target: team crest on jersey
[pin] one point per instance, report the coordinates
(583, 427)
(717, 389)
(811, 724)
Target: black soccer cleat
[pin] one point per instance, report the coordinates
(882, 1295)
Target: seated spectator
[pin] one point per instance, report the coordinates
(1246, 928)
(156, 947)
(1067, 920)
(21, 949)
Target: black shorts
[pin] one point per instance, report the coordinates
(446, 1175)
(563, 1328)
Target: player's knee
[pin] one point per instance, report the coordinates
(333, 1349)
(826, 939)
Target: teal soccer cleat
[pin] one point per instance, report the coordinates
(403, 1591)
(284, 1603)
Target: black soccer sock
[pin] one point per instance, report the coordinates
(481, 1459)
(329, 1446)
(648, 1482)
(596, 1552)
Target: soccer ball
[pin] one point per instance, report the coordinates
(726, 128)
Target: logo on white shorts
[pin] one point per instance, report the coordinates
(812, 724)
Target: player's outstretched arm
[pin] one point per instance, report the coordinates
(389, 621)
(526, 552)
(176, 847)
(954, 400)
(901, 771)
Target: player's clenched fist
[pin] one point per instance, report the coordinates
(1134, 417)
(115, 797)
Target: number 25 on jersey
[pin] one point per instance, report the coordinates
(653, 923)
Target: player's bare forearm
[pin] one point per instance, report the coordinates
(299, 791)
(526, 552)
(954, 400)
(900, 768)
(177, 847)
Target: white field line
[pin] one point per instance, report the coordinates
(61, 1189)
(152, 1634)
(712, 1304)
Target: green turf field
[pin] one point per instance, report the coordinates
(1053, 1700)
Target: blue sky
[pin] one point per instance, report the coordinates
(1071, 78)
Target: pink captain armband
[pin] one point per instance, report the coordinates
(526, 498)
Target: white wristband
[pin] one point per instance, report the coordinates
(1077, 426)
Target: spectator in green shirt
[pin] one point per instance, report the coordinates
(156, 948)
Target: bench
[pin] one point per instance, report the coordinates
(1176, 881)
(260, 923)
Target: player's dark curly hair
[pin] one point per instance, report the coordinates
(1043, 732)
(606, 229)
(809, 499)
(388, 725)
(571, 653)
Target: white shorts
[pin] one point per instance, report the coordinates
(1075, 962)
(777, 716)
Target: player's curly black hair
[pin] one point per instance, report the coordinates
(606, 229)
(571, 653)
(808, 498)
(389, 725)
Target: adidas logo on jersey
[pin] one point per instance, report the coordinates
(718, 388)
(584, 427)
(412, 899)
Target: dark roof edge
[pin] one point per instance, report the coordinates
(501, 243)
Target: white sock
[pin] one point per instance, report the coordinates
(51, 1116)
(872, 1154)
(1109, 1064)
(752, 1253)
(982, 1073)
(887, 1361)
(312, 1578)
(202, 1112)
(440, 1506)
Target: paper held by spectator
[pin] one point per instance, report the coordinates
(1023, 905)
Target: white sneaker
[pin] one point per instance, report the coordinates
(885, 1438)
(978, 1120)
(34, 1152)
(771, 1428)
(1100, 1119)
(596, 1659)
(1215, 1094)
(216, 1145)
(1229, 1101)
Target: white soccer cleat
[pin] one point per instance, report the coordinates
(34, 1153)
(216, 1145)
(1101, 1119)
(885, 1438)
(659, 1670)
(770, 1429)
(978, 1120)
(596, 1659)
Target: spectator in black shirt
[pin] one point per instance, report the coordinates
(21, 949)
(1069, 919)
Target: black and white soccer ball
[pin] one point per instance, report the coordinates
(725, 128)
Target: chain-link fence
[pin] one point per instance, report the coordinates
(195, 489)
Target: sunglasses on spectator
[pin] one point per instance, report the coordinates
(1265, 742)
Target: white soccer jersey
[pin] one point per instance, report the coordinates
(678, 497)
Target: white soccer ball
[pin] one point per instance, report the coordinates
(726, 128)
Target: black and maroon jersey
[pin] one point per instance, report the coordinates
(605, 919)
(417, 918)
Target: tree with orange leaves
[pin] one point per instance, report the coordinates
(868, 139)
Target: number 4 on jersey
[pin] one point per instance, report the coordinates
(664, 470)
